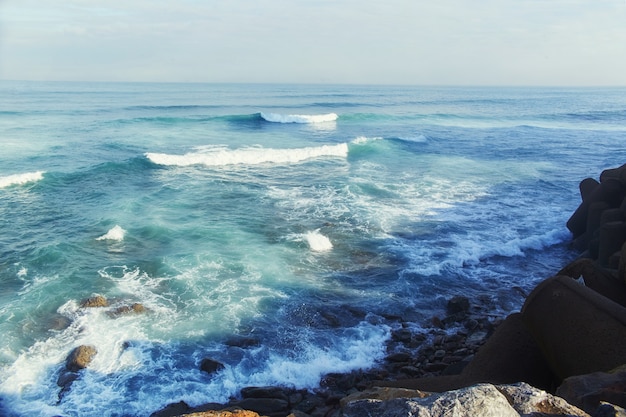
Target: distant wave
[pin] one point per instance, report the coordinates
(20, 179)
(299, 118)
(248, 156)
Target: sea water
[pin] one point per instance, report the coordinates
(300, 219)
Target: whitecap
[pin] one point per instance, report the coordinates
(249, 156)
(115, 233)
(20, 179)
(318, 242)
(299, 118)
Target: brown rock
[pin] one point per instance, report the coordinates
(80, 358)
(95, 301)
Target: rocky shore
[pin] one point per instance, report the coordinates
(562, 354)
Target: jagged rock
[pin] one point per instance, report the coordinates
(483, 400)
(80, 358)
(95, 301)
(224, 413)
(590, 390)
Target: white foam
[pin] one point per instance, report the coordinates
(299, 118)
(361, 140)
(249, 156)
(318, 242)
(20, 179)
(116, 233)
(469, 250)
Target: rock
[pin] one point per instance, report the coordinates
(95, 301)
(135, 308)
(598, 279)
(265, 392)
(609, 410)
(590, 390)
(578, 330)
(210, 366)
(264, 406)
(479, 400)
(80, 358)
(458, 304)
(213, 413)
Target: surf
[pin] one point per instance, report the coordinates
(222, 156)
(20, 179)
(299, 118)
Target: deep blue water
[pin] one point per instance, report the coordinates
(262, 210)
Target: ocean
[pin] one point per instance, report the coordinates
(278, 229)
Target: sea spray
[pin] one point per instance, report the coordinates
(318, 242)
(116, 233)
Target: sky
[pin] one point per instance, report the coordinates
(417, 42)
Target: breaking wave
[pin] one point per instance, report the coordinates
(248, 156)
(20, 179)
(299, 118)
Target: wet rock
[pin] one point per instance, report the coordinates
(264, 406)
(210, 366)
(266, 392)
(458, 305)
(95, 301)
(135, 308)
(80, 358)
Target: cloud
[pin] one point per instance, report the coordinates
(366, 41)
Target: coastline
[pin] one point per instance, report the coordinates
(471, 346)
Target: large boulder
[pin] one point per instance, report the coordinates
(483, 400)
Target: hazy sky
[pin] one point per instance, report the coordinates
(459, 42)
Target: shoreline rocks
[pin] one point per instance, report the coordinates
(566, 340)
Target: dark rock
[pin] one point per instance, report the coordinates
(266, 392)
(588, 333)
(264, 406)
(590, 390)
(458, 304)
(173, 410)
(135, 308)
(210, 366)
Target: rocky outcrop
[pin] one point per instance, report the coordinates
(78, 359)
(483, 400)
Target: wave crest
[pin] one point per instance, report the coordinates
(20, 179)
(299, 118)
(249, 156)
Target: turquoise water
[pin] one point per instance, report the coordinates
(296, 216)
